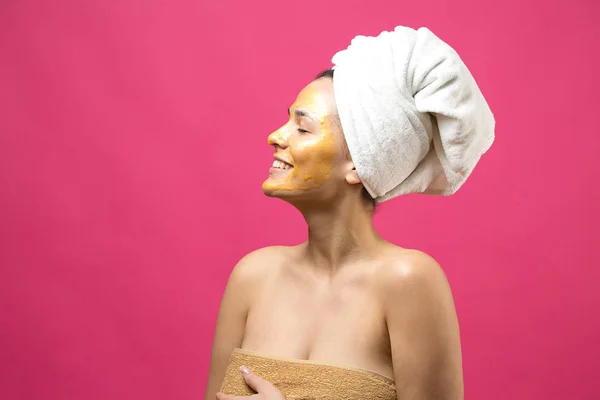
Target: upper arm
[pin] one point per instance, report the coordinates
(231, 320)
(423, 330)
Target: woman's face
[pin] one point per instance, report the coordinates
(309, 148)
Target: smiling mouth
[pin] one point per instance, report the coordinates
(281, 165)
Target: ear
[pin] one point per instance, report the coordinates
(352, 177)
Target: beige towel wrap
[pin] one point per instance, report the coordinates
(300, 379)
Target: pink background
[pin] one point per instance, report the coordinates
(133, 146)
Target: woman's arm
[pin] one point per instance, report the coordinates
(231, 321)
(423, 329)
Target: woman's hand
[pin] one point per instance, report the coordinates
(266, 391)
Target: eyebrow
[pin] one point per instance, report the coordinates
(301, 113)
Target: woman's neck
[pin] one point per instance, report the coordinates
(340, 235)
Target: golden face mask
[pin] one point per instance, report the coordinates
(306, 146)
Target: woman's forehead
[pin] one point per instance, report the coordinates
(317, 97)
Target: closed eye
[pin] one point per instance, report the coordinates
(302, 130)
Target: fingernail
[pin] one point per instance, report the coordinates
(244, 370)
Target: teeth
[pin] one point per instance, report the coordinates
(281, 165)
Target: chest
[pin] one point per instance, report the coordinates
(339, 322)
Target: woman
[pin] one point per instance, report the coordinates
(347, 315)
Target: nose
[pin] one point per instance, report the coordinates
(278, 138)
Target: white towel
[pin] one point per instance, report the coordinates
(413, 117)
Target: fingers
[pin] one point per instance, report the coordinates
(223, 396)
(254, 381)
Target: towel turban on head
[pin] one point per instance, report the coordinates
(413, 117)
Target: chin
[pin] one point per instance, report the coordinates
(269, 189)
(273, 190)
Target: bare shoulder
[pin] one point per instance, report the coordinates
(254, 266)
(411, 273)
(409, 265)
(422, 326)
(245, 282)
